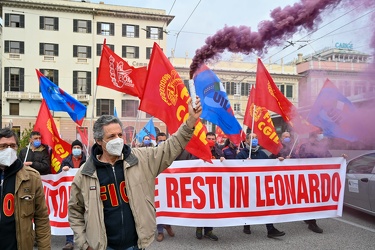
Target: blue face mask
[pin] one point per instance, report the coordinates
(160, 142)
(286, 140)
(147, 142)
(254, 142)
(37, 143)
(76, 151)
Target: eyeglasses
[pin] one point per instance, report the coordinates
(4, 146)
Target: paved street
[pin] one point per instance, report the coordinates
(355, 230)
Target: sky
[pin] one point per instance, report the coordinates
(195, 20)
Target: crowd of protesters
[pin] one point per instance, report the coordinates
(98, 223)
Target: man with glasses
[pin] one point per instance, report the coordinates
(36, 154)
(22, 200)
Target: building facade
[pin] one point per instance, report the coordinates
(63, 39)
(239, 76)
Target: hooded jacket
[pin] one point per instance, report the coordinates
(140, 167)
(29, 207)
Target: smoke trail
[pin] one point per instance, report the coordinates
(285, 22)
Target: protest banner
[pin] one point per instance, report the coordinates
(57, 192)
(235, 192)
(229, 193)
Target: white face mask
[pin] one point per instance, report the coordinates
(8, 156)
(115, 146)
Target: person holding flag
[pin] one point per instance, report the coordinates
(36, 154)
(256, 153)
(288, 149)
(111, 203)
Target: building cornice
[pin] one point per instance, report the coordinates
(91, 9)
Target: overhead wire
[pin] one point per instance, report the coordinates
(319, 38)
(178, 33)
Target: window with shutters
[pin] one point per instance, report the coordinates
(15, 47)
(286, 89)
(106, 29)
(99, 47)
(49, 23)
(289, 91)
(81, 51)
(129, 108)
(236, 107)
(49, 49)
(14, 108)
(82, 82)
(148, 52)
(245, 88)
(130, 30)
(237, 88)
(104, 107)
(51, 74)
(154, 33)
(81, 26)
(14, 79)
(130, 52)
(14, 20)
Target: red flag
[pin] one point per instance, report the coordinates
(166, 97)
(83, 135)
(270, 97)
(50, 136)
(219, 134)
(115, 73)
(263, 125)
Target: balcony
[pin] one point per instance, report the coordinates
(23, 96)
(36, 96)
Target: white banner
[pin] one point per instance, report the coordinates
(238, 192)
(229, 193)
(57, 192)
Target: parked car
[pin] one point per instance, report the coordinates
(360, 183)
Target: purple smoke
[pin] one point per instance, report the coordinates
(285, 22)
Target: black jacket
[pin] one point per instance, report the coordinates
(8, 223)
(40, 158)
(68, 161)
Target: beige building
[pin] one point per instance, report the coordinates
(238, 77)
(63, 40)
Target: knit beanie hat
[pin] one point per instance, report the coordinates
(77, 143)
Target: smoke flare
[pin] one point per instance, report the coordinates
(285, 22)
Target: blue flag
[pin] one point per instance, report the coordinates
(148, 129)
(58, 100)
(215, 104)
(115, 112)
(334, 113)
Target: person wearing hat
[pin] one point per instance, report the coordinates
(74, 160)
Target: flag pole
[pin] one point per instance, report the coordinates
(91, 121)
(27, 152)
(252, 130)
(135, 128)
